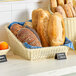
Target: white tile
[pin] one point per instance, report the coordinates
(18, 6)
(3, 36)
(19, 15)
(5, 7)
(5, 17)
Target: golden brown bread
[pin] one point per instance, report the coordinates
(53, 5)
(69, 1)
(28, 24)
(43, 20)
(26, 35)
(74, 2)
(68, 11)
(60, 2)
(56, 30)
(15, 28)
(35, 18)
(72, 9)
(75, 8)
(61, 11)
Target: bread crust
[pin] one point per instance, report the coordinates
(60, 2)
(69, 1)
(68, 11)
(26, 35)
(28, 24)
(35, 18)
(43, 20)
(61, 11)
(56, 30)
(53, 5)
(72, 9)
(15, 28)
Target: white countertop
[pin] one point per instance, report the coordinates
(16, 66)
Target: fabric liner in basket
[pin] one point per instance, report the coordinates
(67, 43)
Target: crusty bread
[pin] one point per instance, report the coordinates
(69, 1)
(74, 3)
(56, 30)
(28, 24)
(68, 11)
(43, 20)
(72, 9)
(60, 2)
(53, 5)
(35, 18)
(33, 32)
(26, 35)
(75, 8)
(61, 11)
(15, 28)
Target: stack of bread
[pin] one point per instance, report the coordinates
(45, 29)
(26, 34)
(50, 28)
(67, 8)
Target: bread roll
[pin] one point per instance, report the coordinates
(60, 2)
(68, 11)
(61, 11)
(72, 9)
(74, 2)
(15, 28)
(43, 20)
(75, 8)
(69, 1)
(53, 5)
(56, 30)
(26, 35)
(35, 18)
(28, 24)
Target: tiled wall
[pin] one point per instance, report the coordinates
(17, 11)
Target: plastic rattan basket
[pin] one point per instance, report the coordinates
(33, 54)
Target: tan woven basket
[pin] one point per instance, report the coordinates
(33, 54)
(70, 28)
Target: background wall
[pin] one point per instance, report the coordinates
(18, 11)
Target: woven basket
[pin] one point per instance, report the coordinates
(33, 54)
(70, 28)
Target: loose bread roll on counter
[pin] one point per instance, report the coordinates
(35, 18)
(26, 35)
(53, 5)
(69, 1)
(43, 20)
(68, 11)
(15, 28)
(72, 9)
(61, 11)
(56, 30)
(60, 2)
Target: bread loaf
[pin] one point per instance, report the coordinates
(72, 9)
(56, 30)
(68, 11)
(28, 24)
(53, 5)
(35, 18)
(60, 2)
(69, 1)
(15, 28)
(61, 11)
(26, 35)
(43, 20)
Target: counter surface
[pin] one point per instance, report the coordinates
(16, 66)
